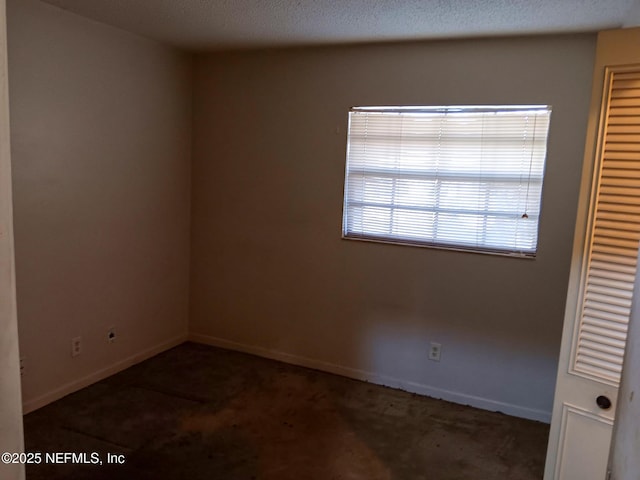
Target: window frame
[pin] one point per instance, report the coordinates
(459, 247)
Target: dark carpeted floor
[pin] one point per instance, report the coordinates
(198, 412)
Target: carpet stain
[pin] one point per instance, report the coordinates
(297, 430)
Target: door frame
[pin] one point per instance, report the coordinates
(11, 439)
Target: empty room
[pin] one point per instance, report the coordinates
(382, 240)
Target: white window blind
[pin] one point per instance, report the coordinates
(612, 251)
(456, 177)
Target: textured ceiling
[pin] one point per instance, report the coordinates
(224, 24)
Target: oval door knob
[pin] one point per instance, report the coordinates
(603, 402)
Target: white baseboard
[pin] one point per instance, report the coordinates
(34, 403)
(387, 381)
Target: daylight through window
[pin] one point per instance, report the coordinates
(454, 177)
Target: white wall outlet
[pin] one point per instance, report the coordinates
(23, 366)
(434, 351)
(111, 335)
(76, 346)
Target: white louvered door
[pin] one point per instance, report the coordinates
(598, 317)
(608, 286)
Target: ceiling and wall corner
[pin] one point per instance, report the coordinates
(225, 24)
(199, 24)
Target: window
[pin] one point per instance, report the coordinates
(466, 178)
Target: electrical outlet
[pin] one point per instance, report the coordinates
(23, 366)
(434, 351)
(111, 335)
(76, 346)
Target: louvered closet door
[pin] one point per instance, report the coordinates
(613, 249)
(597, 317)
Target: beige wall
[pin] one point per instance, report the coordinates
(270, 274)
(10, 401)
(101, 144)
